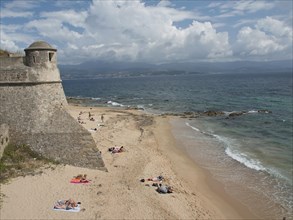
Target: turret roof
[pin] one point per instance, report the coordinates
(40, 45)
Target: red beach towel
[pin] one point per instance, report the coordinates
(77, 181)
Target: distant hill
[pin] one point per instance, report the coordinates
(102, 69)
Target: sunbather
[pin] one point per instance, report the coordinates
(116, 149)
(154, 179)
(66, 204)
(81, 178)
(164, 189)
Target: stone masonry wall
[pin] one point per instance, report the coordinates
(33, 104)
(11, 61)
(20, 73)
(4, 137)
(37, 117)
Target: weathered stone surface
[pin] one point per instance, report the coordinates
(213, 113)
(233, 114)
(4, 137)
(33, 104)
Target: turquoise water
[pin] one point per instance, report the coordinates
(260, 142)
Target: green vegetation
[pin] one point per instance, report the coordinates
(20, 160)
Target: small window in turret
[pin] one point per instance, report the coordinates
(51, 56)
(34, 58)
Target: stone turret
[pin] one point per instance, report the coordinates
(39, 54)
(33, 105)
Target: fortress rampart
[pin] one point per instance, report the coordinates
(33, 105)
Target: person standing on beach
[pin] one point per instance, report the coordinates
(102, 118)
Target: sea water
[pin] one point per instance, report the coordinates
(250, 154)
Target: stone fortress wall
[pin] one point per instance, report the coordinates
(33, 105)
(4, 137)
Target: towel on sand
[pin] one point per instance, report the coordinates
(76, 209)
(74, 180)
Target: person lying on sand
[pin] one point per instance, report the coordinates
(66, 204)
(164, 189)
(81, 178)
(154, 179)
(116, 149)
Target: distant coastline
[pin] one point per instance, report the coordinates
(107, 69)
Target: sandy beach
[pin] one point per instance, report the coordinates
(150, 151)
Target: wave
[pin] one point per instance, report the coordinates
(83, 97)
(198, 130)
(194, 128)
(231, 151)
(115, 103)
(238, 156)
(243, 159)
(95, 98)
(140, 107)
(238, 113)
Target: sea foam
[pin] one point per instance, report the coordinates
(194, 128)
(238, 156)
(115, 103)
(242, 158)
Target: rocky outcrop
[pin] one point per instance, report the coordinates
(211, 113)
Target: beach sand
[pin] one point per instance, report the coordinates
(150, 151)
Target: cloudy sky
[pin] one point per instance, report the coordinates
(151, 31)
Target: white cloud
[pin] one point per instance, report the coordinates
(13, 35)
(252, 6)
(244, 22)
(256, 42)
(54, 29)
(72, 17)
(17, 9)
(136, 31)
(133, 31)
(21, 5)
(7, 43)
(269, 37)
(7, 13)
(274, 27)
(234, 8)
(164, 3)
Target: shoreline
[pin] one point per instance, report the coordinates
(151, 150)
(211, 190)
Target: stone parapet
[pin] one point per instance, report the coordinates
(11, 62)
(22, 73)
